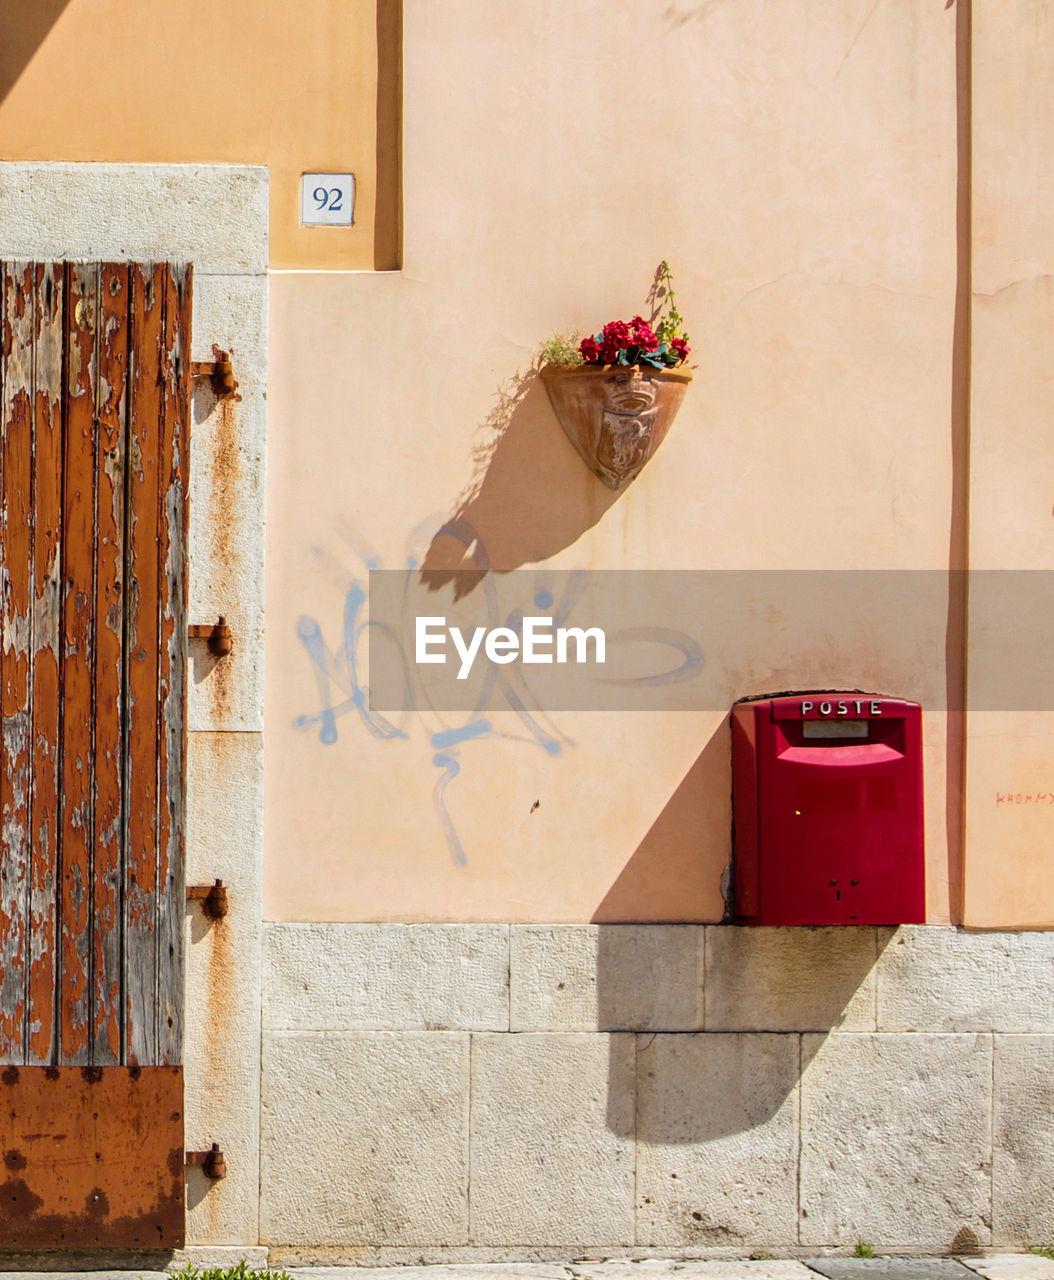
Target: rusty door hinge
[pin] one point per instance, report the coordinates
(211, 1161)
(219, 636)
(213, 898)
(220, 372)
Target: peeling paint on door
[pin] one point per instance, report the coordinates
(94, 411)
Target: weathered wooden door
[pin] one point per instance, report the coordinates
(94, 403)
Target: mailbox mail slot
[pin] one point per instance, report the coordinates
(827, 802)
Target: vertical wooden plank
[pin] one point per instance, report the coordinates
(78, 675)
(92, 661)
(15, 627)
(10, 1043)
(141, 665)
(43, 950)
(172, 633)
(111, 403)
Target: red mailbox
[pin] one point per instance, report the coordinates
(827, 803)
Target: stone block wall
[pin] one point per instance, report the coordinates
(441, 1092)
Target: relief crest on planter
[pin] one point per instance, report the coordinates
(615, 417)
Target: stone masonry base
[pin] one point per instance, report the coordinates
(467, 1092)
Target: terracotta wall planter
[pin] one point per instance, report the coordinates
(616, 416)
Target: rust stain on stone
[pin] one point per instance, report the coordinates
(225, 468)
(221, 984)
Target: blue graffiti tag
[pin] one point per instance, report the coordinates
(341, 691)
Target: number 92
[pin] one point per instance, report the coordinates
(330, 198)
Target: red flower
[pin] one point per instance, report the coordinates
(617, 335)
(643, 336)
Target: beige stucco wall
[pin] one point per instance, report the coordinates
(1009, 874)
(800, 173)
(797, 166)
(294, 87)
